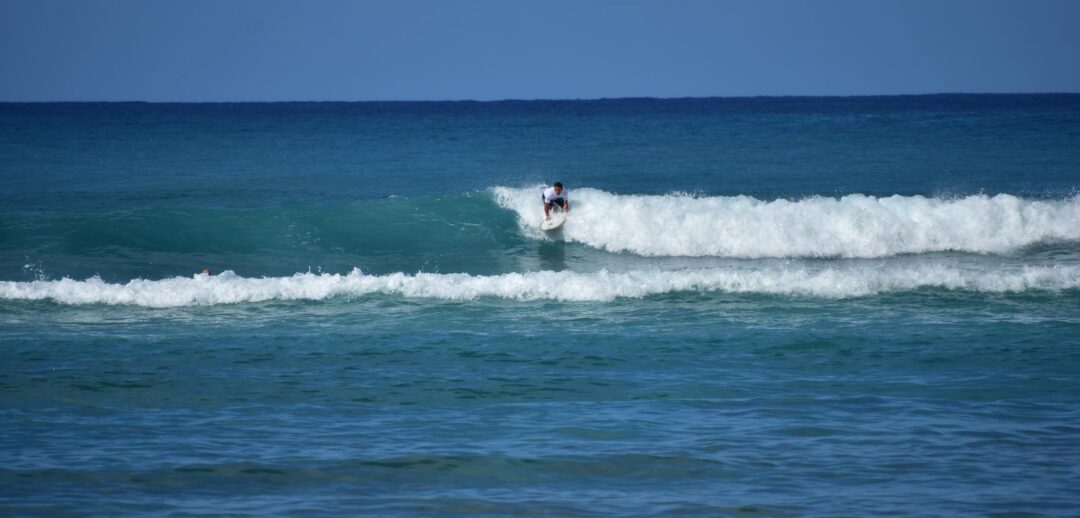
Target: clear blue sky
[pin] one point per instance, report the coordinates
(256, 50)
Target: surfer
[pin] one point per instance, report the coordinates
(557, 196)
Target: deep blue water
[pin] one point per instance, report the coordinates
(767, 306)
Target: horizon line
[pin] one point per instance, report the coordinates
(543, 99)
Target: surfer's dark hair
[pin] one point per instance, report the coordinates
(558, 184)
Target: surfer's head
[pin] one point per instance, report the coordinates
(558, 187)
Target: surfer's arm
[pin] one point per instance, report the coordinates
(547, 210)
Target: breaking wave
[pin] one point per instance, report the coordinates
(854, 226)
(830, 282)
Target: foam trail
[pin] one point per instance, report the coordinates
(854, 226)
(831, 282)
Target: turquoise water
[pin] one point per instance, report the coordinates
(777, 306)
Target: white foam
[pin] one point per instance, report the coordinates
(831, 281)
(854, 226)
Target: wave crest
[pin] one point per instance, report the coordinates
(831, 282)
(854, 226)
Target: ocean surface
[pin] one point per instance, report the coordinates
(758, 306)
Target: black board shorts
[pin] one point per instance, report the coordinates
(558, 202)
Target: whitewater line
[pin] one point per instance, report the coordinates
(854, 226)
(830, 282)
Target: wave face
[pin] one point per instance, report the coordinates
(454, 233)
(854, 226)
(832, 282)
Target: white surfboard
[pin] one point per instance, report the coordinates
(556, 221)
